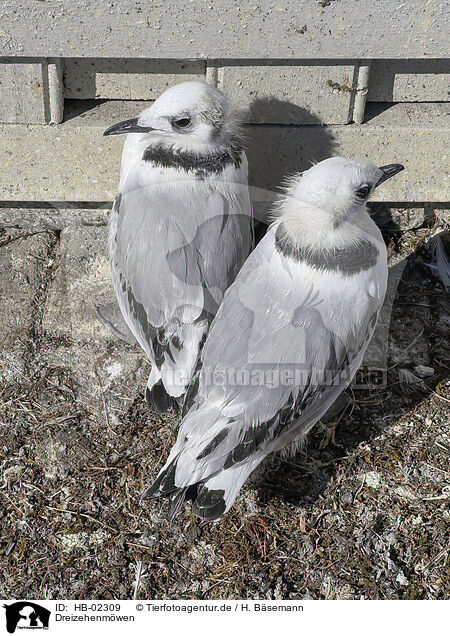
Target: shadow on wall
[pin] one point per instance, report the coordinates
(276, 151)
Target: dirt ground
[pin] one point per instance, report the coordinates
(361, 512)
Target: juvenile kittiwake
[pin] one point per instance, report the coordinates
(180, 228)
(288, 338)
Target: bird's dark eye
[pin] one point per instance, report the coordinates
(183, 122)
(363, 191)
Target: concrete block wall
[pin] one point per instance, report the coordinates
(326, 90)
(312, 79)
(115, 78)
(409, 81)
(31, 91)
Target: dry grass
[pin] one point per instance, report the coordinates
(362, 511)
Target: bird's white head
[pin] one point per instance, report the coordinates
(340, 186)
(331, 194)
(187, 116)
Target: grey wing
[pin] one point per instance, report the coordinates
(273, 363)
(174, 250)
(222, 242)
(213, 258)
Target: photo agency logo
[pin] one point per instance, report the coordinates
(26, 615)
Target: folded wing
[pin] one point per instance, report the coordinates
(276, 358)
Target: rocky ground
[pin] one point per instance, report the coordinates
(361, 512)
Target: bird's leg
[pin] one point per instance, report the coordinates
(332, 418)
(329, 435)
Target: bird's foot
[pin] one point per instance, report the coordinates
(329, 434)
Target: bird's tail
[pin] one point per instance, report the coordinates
(166, 385)
(157, 397)
(159, 400)
(211, 498)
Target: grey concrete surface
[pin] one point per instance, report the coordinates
(322, 92)
(74, 162)
(82, 265)
(409, 81)
(23, 262)
(316, 94)
(31, 91)
(22, 92)
(328, 92)
(226, 29)
(126, 79)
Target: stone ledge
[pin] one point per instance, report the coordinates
(224, 29)
(74, 162)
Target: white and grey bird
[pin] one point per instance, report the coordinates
(288, 338)
(180, 228)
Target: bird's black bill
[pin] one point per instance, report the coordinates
(127, 126)
(388, 172)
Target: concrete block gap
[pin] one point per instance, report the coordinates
(46, 274)
(57, 205)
